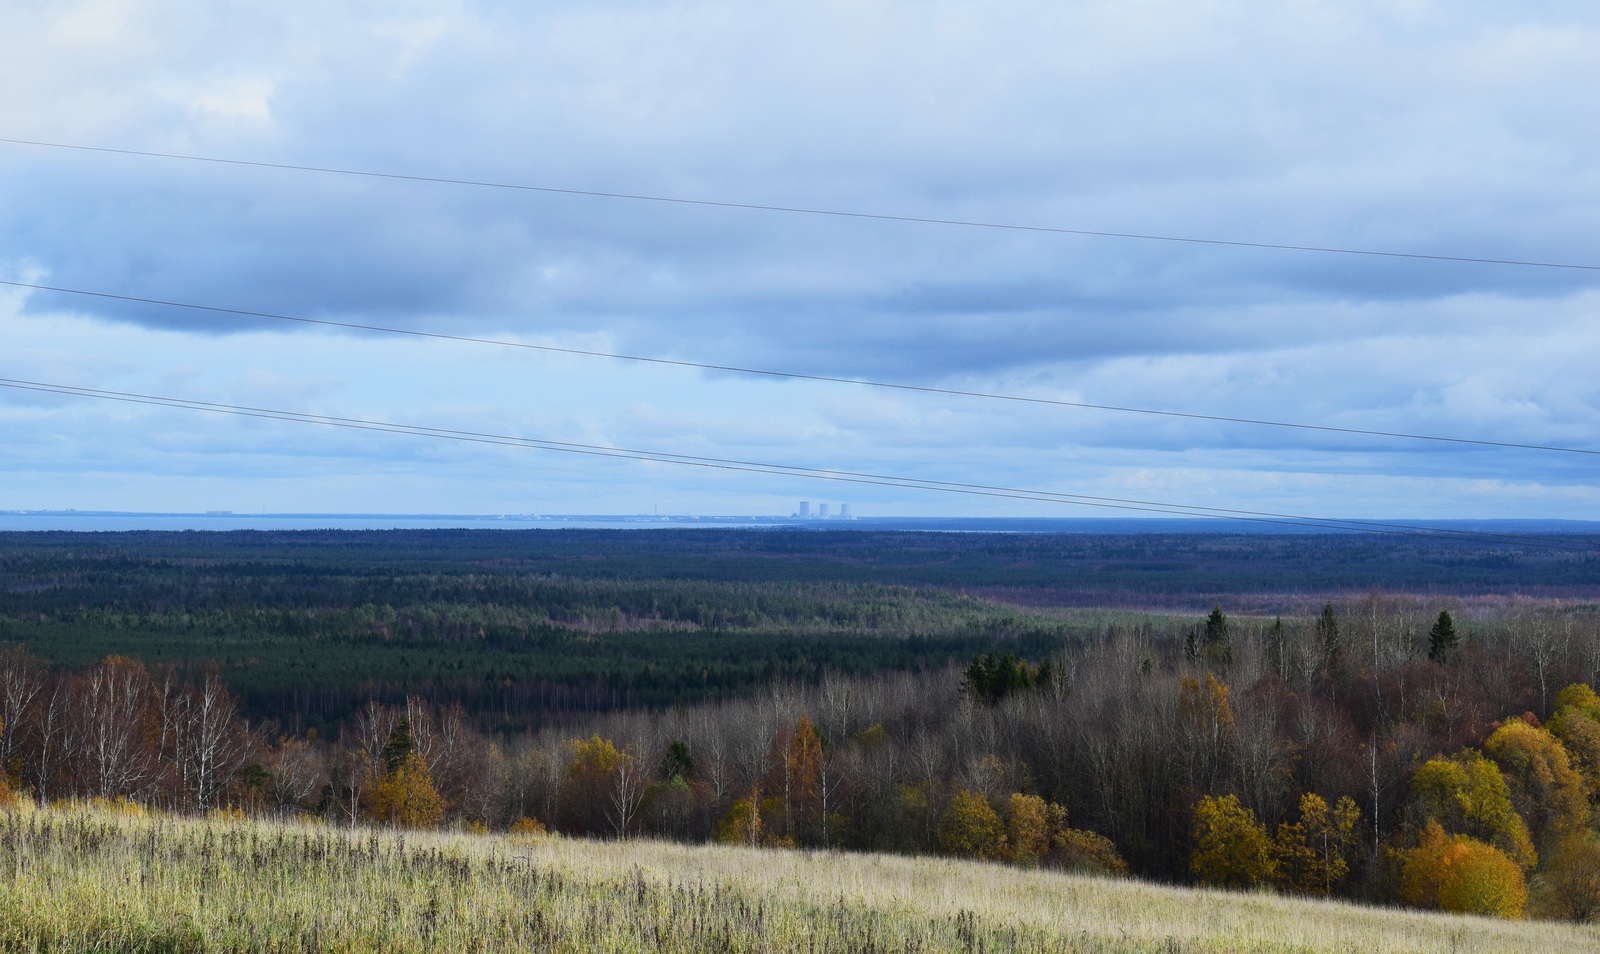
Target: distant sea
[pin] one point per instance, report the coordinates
(93, 521)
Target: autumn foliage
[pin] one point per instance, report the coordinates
(405, 796)
(1231, 848)
(971, 828)
(1463, 875)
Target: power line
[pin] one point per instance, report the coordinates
(791, 470)
(801, 210)
(798, 376)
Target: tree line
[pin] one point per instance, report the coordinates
(1383, 748)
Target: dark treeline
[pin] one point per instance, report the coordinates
(192, 567)
(1351, 752)
(515, 650)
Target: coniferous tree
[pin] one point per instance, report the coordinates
(399, 747)
(1328, 635)
(677, 763)
(1442, 638)
(1219, 645)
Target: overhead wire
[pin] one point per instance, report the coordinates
(790, 470)
(785, 374)
(796, 375)
(803, 210)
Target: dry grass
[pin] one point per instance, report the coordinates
(81, 878)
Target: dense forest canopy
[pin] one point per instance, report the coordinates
(525, 626)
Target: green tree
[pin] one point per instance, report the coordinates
(1231, 848)
(990, 679)
(677, 763)
(1442, 638)
(1328, 635)
(400, 746)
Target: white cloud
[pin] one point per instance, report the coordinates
(1445, 128)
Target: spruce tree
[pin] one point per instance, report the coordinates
(1219, 645)
(1328, 634)
(1442, 638)
(399, 746)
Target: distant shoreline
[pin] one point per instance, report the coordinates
(113, 521)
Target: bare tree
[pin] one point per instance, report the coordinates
(1260, 757)
(627, 793)
(1541, 641)
(111, 715)
(205, 740)
(298, 773)
(55, 745)
(21, 682)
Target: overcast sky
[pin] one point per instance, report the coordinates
(1442, 128)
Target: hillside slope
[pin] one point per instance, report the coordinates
(82, 878)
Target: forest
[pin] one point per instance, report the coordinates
(1434, 742)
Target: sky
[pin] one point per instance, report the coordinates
(1457, 128)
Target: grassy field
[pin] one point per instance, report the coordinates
(86, 879)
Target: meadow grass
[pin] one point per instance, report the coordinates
(82, 878)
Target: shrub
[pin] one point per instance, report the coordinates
(1080, 850)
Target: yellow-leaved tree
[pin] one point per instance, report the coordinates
(1545, 789)
(1468, 795)
(1231, 848)
(1576, 722)
(1313, 853)
(1572, 879)
(1029, 824)
(971, 828)
(405, 797)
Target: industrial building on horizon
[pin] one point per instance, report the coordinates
(823, 512)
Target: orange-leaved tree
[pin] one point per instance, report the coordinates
(1231, 848)
(1463, 875)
